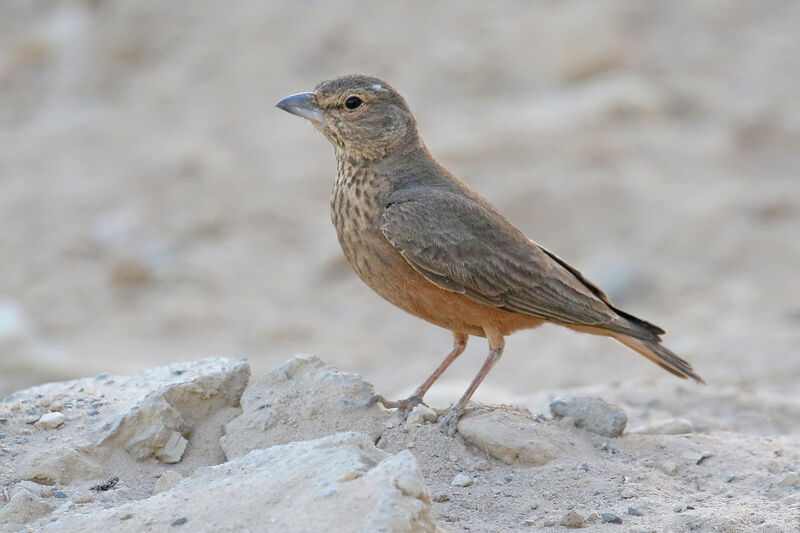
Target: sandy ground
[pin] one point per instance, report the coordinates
(155, 207)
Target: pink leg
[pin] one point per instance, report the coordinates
(459, 344)
(450, 420)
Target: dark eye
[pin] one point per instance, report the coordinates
(353, 102)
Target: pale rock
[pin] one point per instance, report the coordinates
(59, 464)
(668, 467)
(510, 436)
(461, 480)
(295, 487)
(167, 480)
(573, 520)
(791, 480)
(51, 420)
(420, 414)
(670, 426)
(302, 399)
(173, 449)
(186, 395)
(593, 414)
(24, 507)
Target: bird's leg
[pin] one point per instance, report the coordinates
(459, 344)
(449, 422)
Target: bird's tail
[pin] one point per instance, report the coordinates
(660, 355)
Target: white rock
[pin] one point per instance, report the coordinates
(51, 420)
(593, 414)
(420, 414)
(167, 480)
(294, 487)
(510, 436)
(59, 464)
(791, 480)
(177, 399)
(461, 480)
(24, 507)
(173, 449)
(302, 399)
(573, 520)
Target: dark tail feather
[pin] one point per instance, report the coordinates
(660, 355)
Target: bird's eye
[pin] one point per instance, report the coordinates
(353, 102)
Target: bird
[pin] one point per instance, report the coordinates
(427, 243)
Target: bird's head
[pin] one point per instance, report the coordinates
(364, 118)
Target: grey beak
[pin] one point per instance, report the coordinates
(301, 104)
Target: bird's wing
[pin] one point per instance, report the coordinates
(462, 244)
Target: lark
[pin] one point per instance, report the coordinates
(427, 243)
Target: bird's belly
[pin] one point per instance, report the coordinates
(386, 272)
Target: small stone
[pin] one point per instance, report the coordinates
(510, 436)
(167, 480)
(791, 480)
(633, 511)
(530, 521)
(730, 478)
(173, 449)
(483, 465)
(628, 493)
(441, 497)
(51, 420)
(420, 414)
(573, 520)
(670, 426)
(461, 480)
(59, 494)
(668, 467)
(179, 521)
(31, 486)
(611, 518)
(593, 414)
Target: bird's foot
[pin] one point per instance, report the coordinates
(449, 422)
(406, 405)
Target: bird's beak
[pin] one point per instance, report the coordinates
(301, 104)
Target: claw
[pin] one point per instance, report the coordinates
(406, 405)
(449, 422)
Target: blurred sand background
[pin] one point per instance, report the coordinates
(155, 207)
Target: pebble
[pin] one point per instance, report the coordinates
(573, 520)
(594, 414)
(611, 518)
(51, 420)
(633, 511)
(461, 480)
(483, 465)
(441, 497)
(420, 414)
(791, 480)
(59, 494)
(173, 449)
(668, 467)
(628, 493)
(530, 521)
(178, 521)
